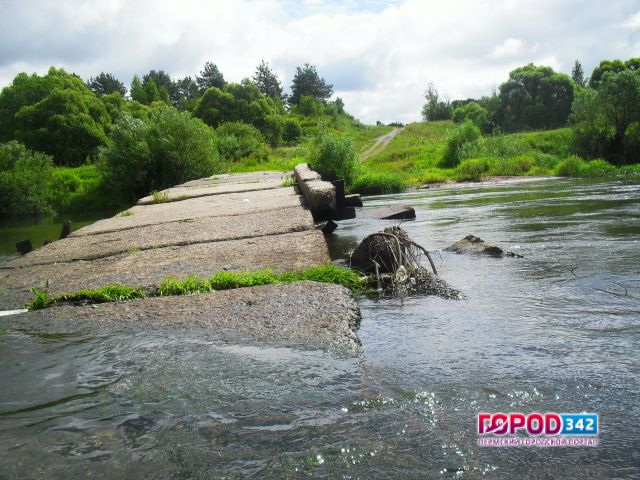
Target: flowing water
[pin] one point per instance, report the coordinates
(557, 331)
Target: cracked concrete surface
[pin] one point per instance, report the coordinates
(251, 222)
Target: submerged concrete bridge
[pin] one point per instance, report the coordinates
(227, 222)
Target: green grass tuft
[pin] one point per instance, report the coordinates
(160, 196)
(191, 285)
(225, 280)
(110, 293)
(289, 182)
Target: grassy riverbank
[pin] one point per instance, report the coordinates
(418, 155)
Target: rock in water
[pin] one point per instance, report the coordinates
(472, 245)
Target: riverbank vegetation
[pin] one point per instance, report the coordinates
(67, 145)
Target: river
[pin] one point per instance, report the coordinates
(555, 331)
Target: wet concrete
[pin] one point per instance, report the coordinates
(251, 222)
(293, 315)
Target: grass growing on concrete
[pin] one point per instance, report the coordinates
(110, 293)
(222, 280)
(289, 182)
(160, 196)
(227, 280)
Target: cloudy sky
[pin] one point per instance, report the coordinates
(379, 55)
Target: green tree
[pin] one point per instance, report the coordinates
(170, 147)
(163, 84)
(210, 76)
(153, 94)
(216, 107)
(137, 90)
(435, 107)
(186, 93)
(534, 98)
(473, 112)
(577, 74)
(610, 66)
(309, 107)
(105, 84)
(24, 180)
(607, 120)
(267, 81)
(307, 83)
(292, 130)
(56, 114)
(240, 102)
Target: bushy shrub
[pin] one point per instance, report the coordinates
(473, 169)
(292, 131)
(238, 140)
(475, 113)
(169, 148)
(570, 166)
(24, 180)
(545, 161)
(272, 128)
(377, 183)
(77, 189)
(597, 168)
(513, 166)
(309, 107)
(466, 133)
(332, 156)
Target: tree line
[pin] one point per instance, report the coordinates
(158, 132)
(603, 110)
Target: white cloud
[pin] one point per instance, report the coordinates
(508, 48)
(379, 55)
(633, 22)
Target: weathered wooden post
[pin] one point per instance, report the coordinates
(24, 247)
(66, 229)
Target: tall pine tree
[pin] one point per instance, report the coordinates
(577, 74)
(267, 81)
(307, 83)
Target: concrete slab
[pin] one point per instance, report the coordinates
(229, 204)
(398, 212)
(309, 314)
(147, 268)
(182, 193)
(186, 232)
(248, 177)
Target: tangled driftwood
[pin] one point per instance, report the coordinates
(393, 261)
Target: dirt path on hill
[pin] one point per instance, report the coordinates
(381, 142)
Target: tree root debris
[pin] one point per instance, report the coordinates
(393, 262)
